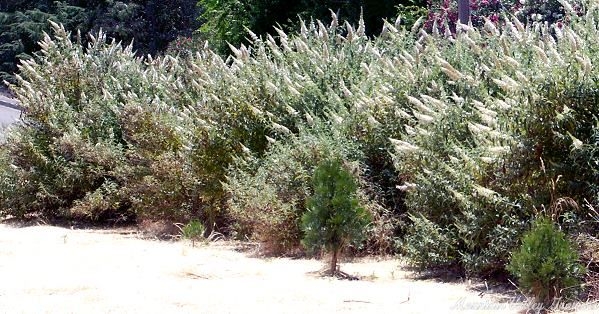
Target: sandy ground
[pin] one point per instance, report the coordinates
(47, 269)
(55, 270)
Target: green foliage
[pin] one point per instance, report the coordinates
(22, 26)
(9, 186)
(461, 137)
(334, 218)
(193, 230)
(428, 244)
(410, 11)
(490, 138)
(550, 11)
(226, 22)
(546, 264)
(269, 194)
(153, 24)
(92, 147)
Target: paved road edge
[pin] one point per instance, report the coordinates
(7, 104)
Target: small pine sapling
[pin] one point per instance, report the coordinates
(546, 264)
(193, 230)
(334, 217)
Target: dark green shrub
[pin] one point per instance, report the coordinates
(546, 264)
(427, 244)
(334, 218)
(268, 195)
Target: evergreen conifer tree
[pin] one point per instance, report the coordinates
(334, 218)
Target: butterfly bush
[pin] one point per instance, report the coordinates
(456, 138)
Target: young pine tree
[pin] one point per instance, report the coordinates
(334, 218)
(546, 264)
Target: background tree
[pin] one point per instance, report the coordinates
(150, 24)
(22, 24)
(225, 21)
(334, 218)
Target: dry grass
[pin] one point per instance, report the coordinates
(57, 270)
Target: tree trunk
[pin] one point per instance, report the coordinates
(464, 11)
(152, 19)
(334, 262)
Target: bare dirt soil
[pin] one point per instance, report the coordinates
(47, 269)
